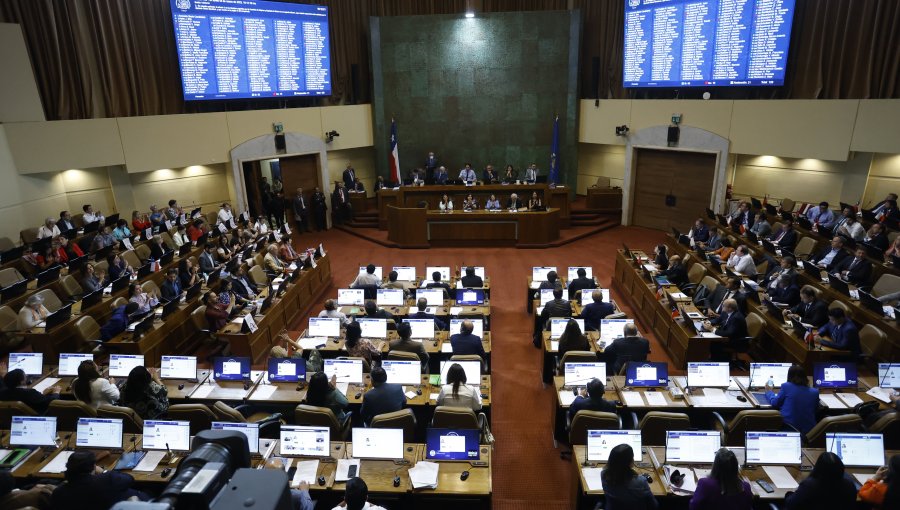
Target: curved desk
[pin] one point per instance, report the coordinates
(418, 228)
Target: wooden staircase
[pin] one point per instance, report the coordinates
(367, 219)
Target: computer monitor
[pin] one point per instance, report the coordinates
(434, 297)
(389, 297)
(856, 450)
(558, 325)
(452, 444)
(32, 363)
(324, 327)
(304, 441)
(420, 328)
(378, 271)
(178, 367)
(344, 370)
(471, 368)
(477, 326)
(120, 365)
(610, 329)
(231, 368)
(647, 374)
(98, 433)
(835, 375)
(287, 370)
(444, 270)
(601, 442)
(351, 297)
(587, 296)
(32, 431)
(539, 274)
(371, 443)
(708, 374)
(581, 373)
(573, 272)
(692, 447)
(889, 375)
(405, 273)
(773, 448)
(167, 435)
(69, 362)
(762, 373)
(469, 297)
(547, 296)
(373, 328)
(251, 430)
(403, 372)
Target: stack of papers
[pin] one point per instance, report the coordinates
(554, 345)
(150, 460)
(424, 475)
(566, 397)
(203, 391)
(593, 478)
(851, 399)
(830, 401)
(58, 464)
(633, 398)
(343, 467)
(656, 399)
(46, 383)
(306, 472)
(780, 477)
(455, 310)
(446, 347)
(881, 394)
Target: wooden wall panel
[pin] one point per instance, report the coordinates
(686, 175)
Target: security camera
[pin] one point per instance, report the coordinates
(621, 130)
(330, 136)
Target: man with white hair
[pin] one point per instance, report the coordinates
(32, 313)
(48, 229)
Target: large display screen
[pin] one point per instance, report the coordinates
(706, 43)
(231, 49)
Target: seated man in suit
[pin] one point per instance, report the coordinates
(731, 290)
(741, 261)
(839, 333)
(856, 270)
(373, 312)
(591, 399)
(514, 204)
(490, 175)
(471, 280)
(676, 273)
(465, 342)
(436, 283)
(440, 175)
(557, 307)
(876, 237)
(810, 310)
(785, 292)
(89, 486)
(831, 257)
(421, 306)
(851, 229)
(171, 287)
(405, 344)
(581, 283)
(394, 283)
(785, 238)
(595, 312)
(742, 216)
(16, 389)
(383, 398)
(242, 285)
(884, 204)
(700, 232)
(821, 216)
(761, 227)
(273, 264)
(630, 347)
(730, 324)
(785, 267)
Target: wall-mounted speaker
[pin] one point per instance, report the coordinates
(280, 143)
(673, 135)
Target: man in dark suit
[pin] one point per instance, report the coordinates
(436, 283)
(440, 175)
(730, 324)
(65, 221)
(785, 291)
(88, 487)
(839, 333)
(349, 176)
(383, 398)
(431, 164)
(17, 390)
(880, 206)
(242, 285)
(831, 257)
(856, 270)
(810, 309)
(514, 202)
(742, 216)
(207, 259)
(373, 312)
(591, 399)
(422, 305)
(301, 211)
(358, 186)
(731, 290)
(551, 282)
(557, 307)
(630, 347)
(490, 175)
(786, 237)
(471, 280)
(465, 342)
(596, 311)
(340, 204)
(171, 287)
(406, 344)
(581, 283)
(876, 237)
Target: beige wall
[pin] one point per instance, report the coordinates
(21, 100)
(363, 161)
(595, 160)
(884, 177)
(194, 186)
(803, 180)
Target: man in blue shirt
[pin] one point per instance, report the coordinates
(467, 175)
(118, 321)
(465, 342)
(821, 216)
(383, 398)
(591, 399)
(839, 333)
(596, 311)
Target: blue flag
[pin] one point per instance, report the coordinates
(554, 153)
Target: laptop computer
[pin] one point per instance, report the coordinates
(120, 283)
(434, 297)
(324, 326)
(48, 276)
(646, 374)
(69, 362)
(444, 270)
(546, 295)
(692, 447)
(286, 370)
(471, 368)
(889, 375)
(773, 448)
(539, 273)
(389, 297)
(169, 308)
(379, 271)
(871, 302)
(610, 329)
(406, 373)
(304, 441)
(91, 299)
(373, 328)
(231, 368)
(12, 254)
(477, 326)
(32, 363)
(349, 371)
(178, 367)
(573, 272)
(708, 374)
(58, 317)
(587, 296)
(77, 263)
(839, 285)
(184, 249)
(405, 273)
(558, 326)
(601, 442)
(13, 291)
(452, 444)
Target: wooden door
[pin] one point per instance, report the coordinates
(303, 172)
(687, 176)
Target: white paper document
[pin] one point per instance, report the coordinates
(433, 396)
(554, 345)
(306, 472)
(655, 399)
(535, 285)
(633, 398)
(150, 461)
(343, 465)
(780, 477)
(455, 310)
(862, 477)
(446, 347)
(58, 464)
(410, 394)
(851, 399)
(203, 391)
(424, 475)
(690, 482)
(715, 395)
(342, 387)
(593, 478)
(566, 398)
(264, 391)
(312, 342)
(830, 401)
(881, 394)
(46, 383)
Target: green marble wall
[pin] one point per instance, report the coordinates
(480, 90)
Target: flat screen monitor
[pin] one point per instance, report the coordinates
(579, 374)
(647, 374)
(120, 365)
(305, 441)
(452, 444)
(178, 367)
(889, 375)
(692, 447)
(444, 270)
(344, 370)
(601, 442)
(405, 273)
(708, 374)
(32, 363)
(371, 443)
(471, 368)
(856, 450)
(587, 296)
(167, 435)
(610, 329)
(324, 327)
(98, 433)
(373, 328)
(558, 326)
(379, 271)
(573, 272)
(547, 296)
(434, 297)
(773, 448)
(32, 431)
(251, 430)
(69, 361)
(469, 297)
(835, 375)
(286, 370)
(403, 372)
(420, 328)
(539, 273)
(351, 297)
(477, 327)
(389, 297)
(231, 368)
(761, 373)
(717, 43)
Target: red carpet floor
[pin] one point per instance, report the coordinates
(527, 470)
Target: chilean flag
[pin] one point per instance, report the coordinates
(394, 158)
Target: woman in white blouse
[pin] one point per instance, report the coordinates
(92, 389)
(445, 204)
(145, 300)
(456, 393)
(32, 313)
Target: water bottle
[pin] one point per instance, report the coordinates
(770, 382)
